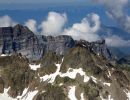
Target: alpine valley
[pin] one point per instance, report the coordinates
(37, 67)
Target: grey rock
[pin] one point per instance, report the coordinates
(19, 39)
(98, 47)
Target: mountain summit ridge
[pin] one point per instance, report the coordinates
(19, 39)
(38, 67)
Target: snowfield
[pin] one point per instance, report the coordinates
(71, 73)
(51, 78)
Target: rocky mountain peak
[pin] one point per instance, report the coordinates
(38, 67)
(98, 47)
(21, 30)
(21, 40)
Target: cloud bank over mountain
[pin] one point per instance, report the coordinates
(116, 11)
(6, 21)
(32, 25)
(116, 41)
(55, 23)
(86, 29)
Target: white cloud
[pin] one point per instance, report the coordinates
(116, 41)
(32, 25)
(116, 11)
(54, 24)
(6, 21)
(86, 29)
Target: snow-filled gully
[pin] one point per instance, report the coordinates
(71, 73)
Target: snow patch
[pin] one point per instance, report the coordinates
(29, 95)
(98, 54)
(82, 96)
(25, 95)
(109, 73)
(51, 78)
(34, 67)
(127, 94)
(60, 84)
(94, 79)
(71, 93)
(108, 84)
(3, 55)
(71, 73)
(84, 45)
(109, 98)
(5, 95)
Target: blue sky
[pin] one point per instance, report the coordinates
(36, 4)
(25, 1)
(23, 10)
(42, 1)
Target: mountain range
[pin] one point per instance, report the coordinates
(20, 39)
(37, 67)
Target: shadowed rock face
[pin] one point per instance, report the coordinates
(21, 40)
(17, 39)
(60, 44)
(98, 47)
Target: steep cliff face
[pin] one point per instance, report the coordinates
(17, 39)
(59, 44)
(98, 47)
(21, 40)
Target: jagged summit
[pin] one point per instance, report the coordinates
(20, 30)
(98, 47)
(21, 40)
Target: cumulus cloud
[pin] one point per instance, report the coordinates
(54, 24)
(116, 9)
(116, 41)
(86, 29)
(32, 25)
(6, 21)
